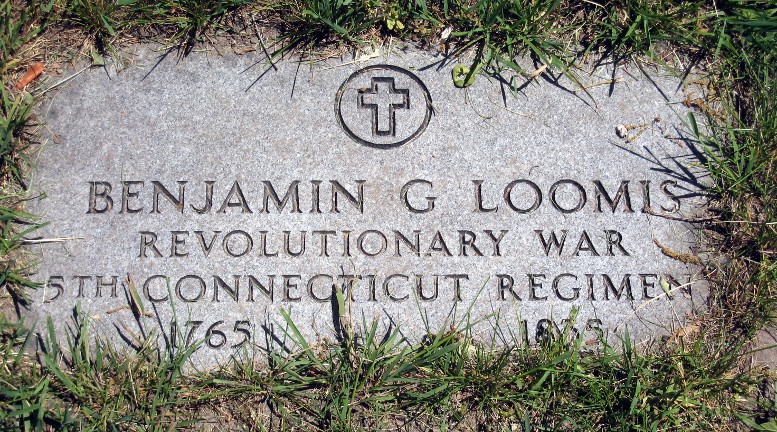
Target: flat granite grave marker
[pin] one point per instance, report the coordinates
(200, 199)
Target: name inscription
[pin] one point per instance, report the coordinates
(138, 196)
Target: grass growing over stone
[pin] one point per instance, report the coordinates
(699, 379)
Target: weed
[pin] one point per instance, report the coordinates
(500, 31)
(101, 20)
(15, 119)
(18, 28)
(15, 224)
(190, 19)
(310, 23)
(636, 27)
(741, 152)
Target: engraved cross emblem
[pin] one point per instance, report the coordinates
(383, 98)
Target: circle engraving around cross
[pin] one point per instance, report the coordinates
(383, 106)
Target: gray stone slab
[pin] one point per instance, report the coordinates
(434, 206)
(766, 349)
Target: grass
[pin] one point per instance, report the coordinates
(375, 382)
(20, 25)
(372, 381)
